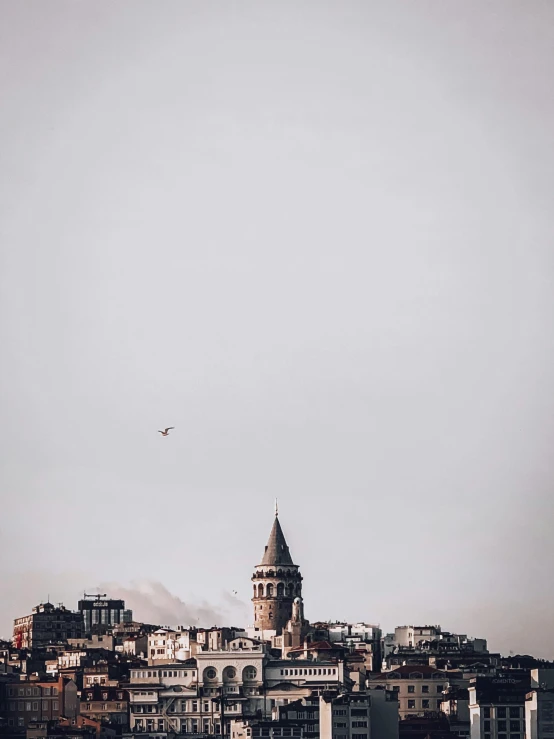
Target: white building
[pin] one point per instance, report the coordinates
(167, 645)
(305, 673)
(201, 695)
(539, 714)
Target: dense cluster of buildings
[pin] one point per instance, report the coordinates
(97, 672)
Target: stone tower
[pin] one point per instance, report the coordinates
(277, 582)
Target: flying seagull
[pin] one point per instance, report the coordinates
(167, 430)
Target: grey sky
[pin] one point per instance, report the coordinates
(316, 238)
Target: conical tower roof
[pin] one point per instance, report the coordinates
(277, 550)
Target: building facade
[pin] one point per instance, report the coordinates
(99, 614)
(47, 624)
(39, 700)
(497, 705)
(419, 688)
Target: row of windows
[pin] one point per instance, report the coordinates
(501, 712)
(138, 674)
(502, 725)
(181, 707)
(269, 590)
(425, 703)
(12, 692)
(503, 736)
(104, 707)
(424, 688)
(187, 726)
(32, 705)
(310, 671)
(90, 696)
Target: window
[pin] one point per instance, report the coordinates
(359, 724)
(424, 688)
(500, 712)
(486, 726)
(411, 688)
(35, 706)
(487, 712)
(514, 727)
(28, 706)
(411, 704)
(440, 688)
(502, 736)
(514, 712)
(501, 726)
(396, 688)
(425, 703)
(54, 691)
(21, 721)
(55, 706)
(339, 724)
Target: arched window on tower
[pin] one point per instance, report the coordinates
(255, 591)
(290, 590)
(299, 589)
(280, 590)
(260, 591)
(269, 590)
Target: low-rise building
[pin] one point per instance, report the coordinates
(102, 703)
(419, 688)
(325, 675)
(39, 700)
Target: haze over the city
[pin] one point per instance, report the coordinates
(315, 238)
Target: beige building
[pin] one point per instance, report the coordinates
(418, 688)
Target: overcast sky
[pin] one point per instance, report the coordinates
(316, 238)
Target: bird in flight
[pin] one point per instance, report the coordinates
(166, 431)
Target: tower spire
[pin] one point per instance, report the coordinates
(276, 508)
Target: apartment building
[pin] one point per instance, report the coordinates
(419, 688)
(497, 705)
(47, 624)
(39, 700)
